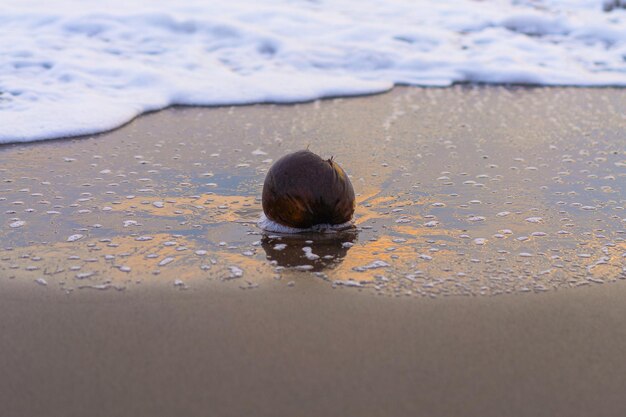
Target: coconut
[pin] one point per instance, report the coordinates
(302, 190)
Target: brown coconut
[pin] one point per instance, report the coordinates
(302, 190)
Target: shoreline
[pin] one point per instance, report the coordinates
(174, 107)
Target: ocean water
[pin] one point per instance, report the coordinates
(70, 67)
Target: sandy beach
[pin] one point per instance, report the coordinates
(309, 350)
(484, 276)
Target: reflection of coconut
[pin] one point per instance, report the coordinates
(320, 251)
(302, 190)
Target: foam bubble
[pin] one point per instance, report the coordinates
(271, 226)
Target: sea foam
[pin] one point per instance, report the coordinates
(271, 226)
(74, 67)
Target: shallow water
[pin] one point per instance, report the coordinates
(461, 191)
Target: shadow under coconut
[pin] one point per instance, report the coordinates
(309, 251)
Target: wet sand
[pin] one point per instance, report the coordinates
(484, 276)
(311, 351)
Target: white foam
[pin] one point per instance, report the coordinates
(74, 67)
(271, 226)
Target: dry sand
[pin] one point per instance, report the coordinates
(494, 217)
